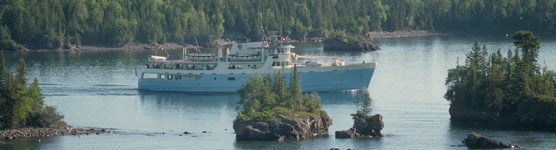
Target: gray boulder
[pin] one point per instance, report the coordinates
(368, 126)
(476, 140)
(346, 134)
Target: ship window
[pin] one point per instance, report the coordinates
(190, 77)
(149, 76)
(231, 78)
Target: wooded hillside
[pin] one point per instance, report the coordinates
(51, 23)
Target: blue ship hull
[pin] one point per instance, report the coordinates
(333, 80)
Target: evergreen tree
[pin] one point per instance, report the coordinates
(22, 105)
(529, 45)
(6, 42)
(280, 89)
(3, 92)
(363, 101)
(295, 89)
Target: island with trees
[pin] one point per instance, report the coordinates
(509, 91)
(273, 111)
(364, 124)
(22, 109)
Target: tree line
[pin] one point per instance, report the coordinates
(22, 105)
(503, 84)
(53, 23)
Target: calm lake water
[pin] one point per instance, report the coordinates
(99, 89)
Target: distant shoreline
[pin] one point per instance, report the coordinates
(401, 34)
(137, 47)
(225, 42)
(222, 42)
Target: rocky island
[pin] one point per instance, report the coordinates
(345, 42)
(22, 110)
(511, 92)
(364, 124)
(273, 111)
(282, 128)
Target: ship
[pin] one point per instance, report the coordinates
(228, 70)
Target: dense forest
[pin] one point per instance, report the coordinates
(53, 23)
(502, 85)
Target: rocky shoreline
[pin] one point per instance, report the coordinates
(400, 34)
(139, 47)
(61, 130)
(348, 43)
(542, 119)
(281, 129)
(475, 140)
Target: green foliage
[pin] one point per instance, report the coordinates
(265, 98)
(46, 117)
(501, 84)
(363, 101)
(6, 42)
(46, 24)
(22, 105)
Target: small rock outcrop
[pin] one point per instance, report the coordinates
(281, 129)
(346, 134)
(476, 140)
(346, 43)
(364, 127)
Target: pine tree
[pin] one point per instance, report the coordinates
(3, 93)
(33, 92)
(363, 101)
(529, 45)
(22, 105)
(295, 89)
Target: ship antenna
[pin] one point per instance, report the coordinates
(197, 44)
